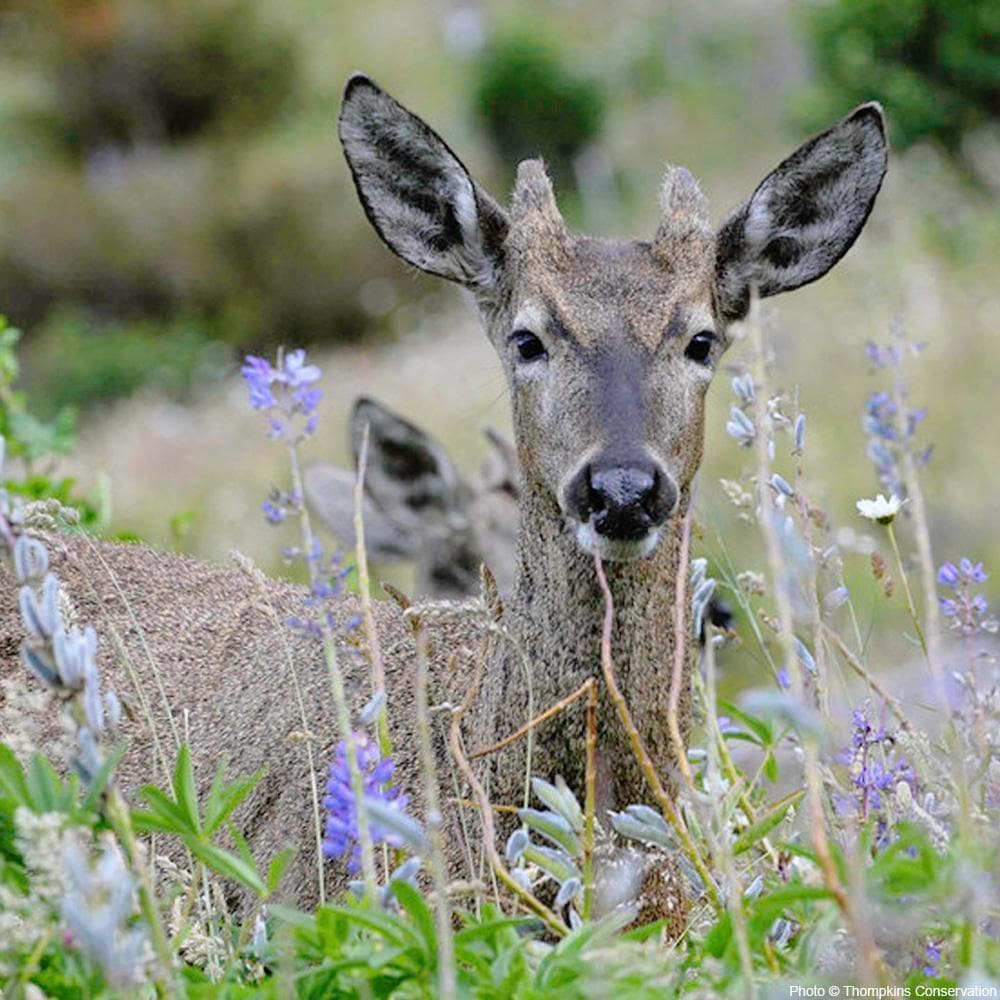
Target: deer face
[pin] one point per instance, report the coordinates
(608, 346)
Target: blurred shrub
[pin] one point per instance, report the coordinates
(531, 103)
(74, 360)
(934, 64)
(161, 181)
(128, 73)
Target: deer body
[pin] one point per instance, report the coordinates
(608, 347)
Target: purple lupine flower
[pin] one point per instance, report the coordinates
(932, 960)
(873, 770)
(342, 815)
(889, 430)
(784, 678)
(259, 376)
(274, 513)
(287, 392)
(968, 611)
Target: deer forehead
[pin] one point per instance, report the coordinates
(596, 291)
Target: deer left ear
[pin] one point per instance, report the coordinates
(805, 215)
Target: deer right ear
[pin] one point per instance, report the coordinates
(416, 192)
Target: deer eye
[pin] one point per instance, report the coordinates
(700, 346)
(529, 347)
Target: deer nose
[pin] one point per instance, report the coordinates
(624, 501)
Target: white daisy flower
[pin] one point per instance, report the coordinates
(880, 509)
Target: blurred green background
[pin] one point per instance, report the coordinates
(172, 195)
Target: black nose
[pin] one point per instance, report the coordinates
(623, 501)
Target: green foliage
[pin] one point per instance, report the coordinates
(76, 361)
(140, 72)
(35, 440)
(934, 64)
(181, 816)
(532, 103)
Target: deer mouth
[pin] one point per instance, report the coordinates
(612, 549)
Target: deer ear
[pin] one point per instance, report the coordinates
(416, 192)
(805, 215)
(329, 491)
(409, 476)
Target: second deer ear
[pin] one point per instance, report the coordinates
(409, 476)
(416, 192)
(805, 214)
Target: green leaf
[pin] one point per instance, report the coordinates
(223, 799)
(227, 864)
(165, 811)
(46, 790)
(761, 728)
(277, 868)
(242, 846)
(771, 767)
(185, 790)
(764, 824)
(103, 776)
(13, 782)
(419, 912)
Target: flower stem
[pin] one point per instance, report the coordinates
(910, 607)
(336, 686)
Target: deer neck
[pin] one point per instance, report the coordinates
(553, 630)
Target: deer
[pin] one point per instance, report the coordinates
(419, 507)
(608, 348)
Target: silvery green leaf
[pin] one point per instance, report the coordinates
(520, 876)
(648, 815)
(690, 873)
(50, 602)
(69, 664)
(555, 862)
(357, 888)
(396, 823)
(559, 800)
(372, 709)
(780, 705)
(569, 890)
(88, 761)
(705, 590)
(38, 662)
(635, 829)
(835, 598)
(31, 559)
(114, 707)
(575, 920)
(696, 755)
(754, 889)
(800, 432)
(92, 705)
(782, 485)
(781, 932)
(805, 657)
(407, 871)
(32, 614)
(698, 569)
(554, 827)
(516, 843)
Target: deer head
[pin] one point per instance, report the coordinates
(608, 345)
